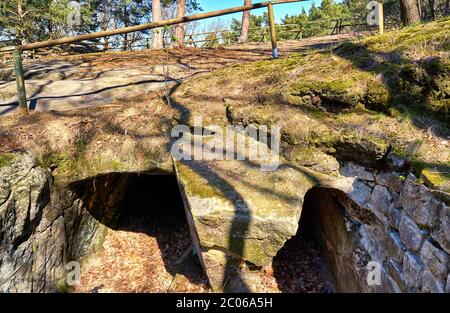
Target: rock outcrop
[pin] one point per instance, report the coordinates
(379, 181)
(32, 232)
(43, 226)
(239, 213)
(240, 217)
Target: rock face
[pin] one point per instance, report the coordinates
(239, 217)
(42, 227)
(32, 238)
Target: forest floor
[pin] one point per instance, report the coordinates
(137, 263)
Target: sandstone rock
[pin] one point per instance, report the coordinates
(390, 180)
(380, 200)
(32, 233)
(410, 234)
(314, 159)
(419, 202)
(220, 200)
(56, 94)
(365, 151)
(447, 288)
(353, 169)
(430, 284)
(394, 217)
(240, 210)
(396, 272)
(412, 268)
(395, 248)
(441, 232)
(436, 260)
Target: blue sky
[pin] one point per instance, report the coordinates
(280, 10)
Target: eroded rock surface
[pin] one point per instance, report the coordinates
(32, 233)
(238, 211)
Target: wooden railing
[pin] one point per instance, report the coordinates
(228, 36)
(17, 51)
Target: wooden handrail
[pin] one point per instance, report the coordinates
(130, 29)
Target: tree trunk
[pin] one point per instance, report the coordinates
(106, 44)
(157, 42)
(409, 12)
(432, 9)
(419, 5)
(180, 29)
(21, 31)
(245, 23)
(125, 18)
(447, 8)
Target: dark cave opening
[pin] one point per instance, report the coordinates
(146, 221)
(309, 261)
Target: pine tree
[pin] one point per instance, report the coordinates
(409, 12)
(157, 41)
(245, 25)
(180, 29)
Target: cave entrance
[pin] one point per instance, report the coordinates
(138, 236)
(314, 260)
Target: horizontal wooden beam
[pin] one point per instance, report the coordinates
(130, 29)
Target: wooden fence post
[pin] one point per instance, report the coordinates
(380, 18)
(273, 34)
(18, 67)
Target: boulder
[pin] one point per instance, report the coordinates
(239, 212)
(413, 269)
(441, 231)
(420, 203)
(435, 259)
(430, 284)
(411, 235)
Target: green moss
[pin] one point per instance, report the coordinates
(62, 286)
(67, 165)
(195, 184)
(5, 159)
(52, 159)
(115, 165)
(414, 37)
(436, 176)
